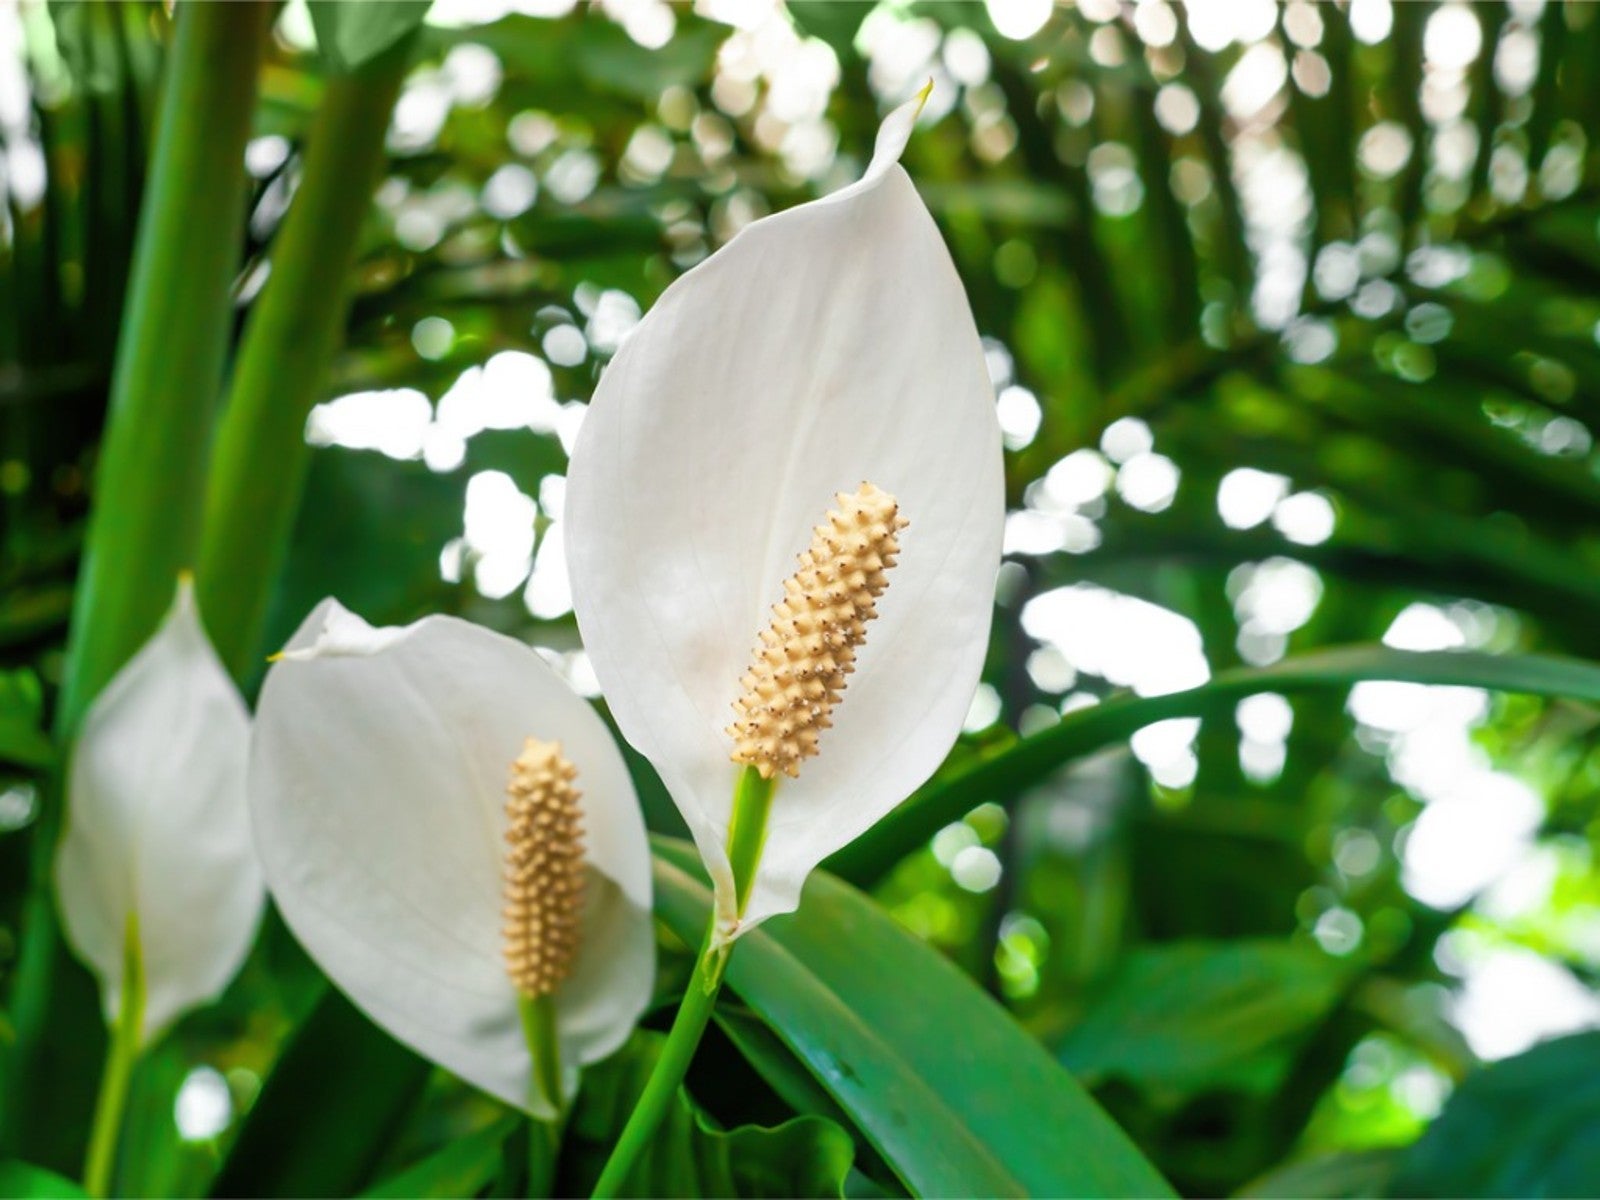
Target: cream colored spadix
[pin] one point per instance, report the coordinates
(544, 869)
(809, 648)
(158, 835)
(413, 837)
(823, 346)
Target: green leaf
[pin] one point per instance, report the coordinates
(23, 740)
(352, 33)
(1185, 1018)
(808, 1156)
(872, 1012)
(24, 1181)
(1345, 1176)
(338, 1092)
(1007, 772)
(463, 1168)
(1528, 1126)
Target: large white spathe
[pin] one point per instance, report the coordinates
(158, 833)
(377, 785)
(824, 346)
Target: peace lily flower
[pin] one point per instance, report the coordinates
(451, 833)
(155, 877)
(805, 418)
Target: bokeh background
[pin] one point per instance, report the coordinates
(1292, 315)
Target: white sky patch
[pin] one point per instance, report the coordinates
(1019, 414)
(1511, 999)
(1424, 627)
(1124, 640)
(499, 522)
(203, 1107)
(549, 591)
(1148, 482)
(1125, 438)
(1305, 518)
(394, 421)
(1018, 19)
(1468, 836)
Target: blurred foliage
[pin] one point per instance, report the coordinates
(1294, 319)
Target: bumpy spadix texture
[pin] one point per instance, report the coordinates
(544, 869)
(378, 785)
(157, 827)
(800, 667)
(824, 345)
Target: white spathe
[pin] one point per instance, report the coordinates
(823, 346)
(377, 786)
(157, 827)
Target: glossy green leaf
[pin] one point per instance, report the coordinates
(944, 1084)
(1527, 1126)
(24, 1181)
(1183, 1018)
(464, 1167)
(338, 1092)
(351, 34)
(1343, 1176)
(1006, 773)
(808, 1156)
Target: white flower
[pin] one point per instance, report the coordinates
(157, 842)
(824, 347)
(378, 785)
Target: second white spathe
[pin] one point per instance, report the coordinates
(377, 787)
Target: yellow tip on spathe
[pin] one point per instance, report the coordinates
(544, 869)
(809, 647)
(922, 97)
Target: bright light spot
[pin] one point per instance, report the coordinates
(1468, 836)
(984, 710)
(1338, 931)
(1128, 641)
(572, 176)
(952, 840)
(1019, 413)
(977, 869)
(1148, 482)
(1371, 20)
(1306, 518)
(1514, 999)
(1246, 497)
(1050, 670)
(1080, 478)
(499, 525)
(966, 57)
(1155, 23)
(203, 1107)
(1277, 596)
(510, 192)
(549, 591)
(1126, 438)
(1266, 717)
(1453, 37)
(1356, 852)
(513, 390)
(1031, 532)
(1177, 109)
(264, 155)
(1424, 627)
(565, 346)
(1019, 19)
(1384, 149)
(613, 319)
(395, 422)
(18, 804)
(1165, 742)
(432, 338)
(1256, 78)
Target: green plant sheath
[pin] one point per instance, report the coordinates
(169, 363)
(259, 464)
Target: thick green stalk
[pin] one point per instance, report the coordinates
(747, 835)
(99, 1173)
(544, 1047)
(165, 382)
(259, 464)
(173, 344)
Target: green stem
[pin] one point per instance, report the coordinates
(259, 464)
(544, 1047)
(169, 364)
(747, 834)
(123, 1051)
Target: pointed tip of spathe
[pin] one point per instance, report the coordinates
(922, 97)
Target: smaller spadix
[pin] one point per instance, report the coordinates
(451, 833)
